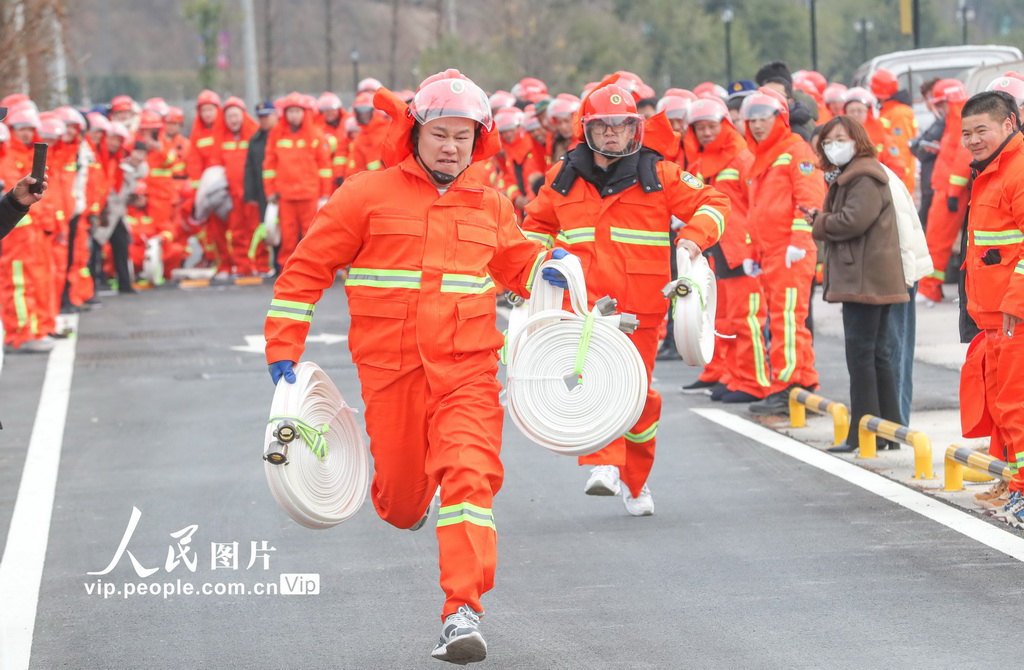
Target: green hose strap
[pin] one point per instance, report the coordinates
(581, 351)
(696, 287)
(258, 236)
(503, 352)
(314, 438)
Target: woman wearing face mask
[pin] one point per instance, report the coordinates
(863, 270)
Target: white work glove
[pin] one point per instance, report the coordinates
(794, 255)
(677, 223)
(751, 268)
(320, 203)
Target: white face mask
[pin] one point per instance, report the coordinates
(839, 153)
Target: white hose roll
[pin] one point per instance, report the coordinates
(273, 224)
(153, 261)
(317, 491)
(575, 381)
(695, 301)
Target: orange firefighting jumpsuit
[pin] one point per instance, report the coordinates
(79, 281)
(424, 341)
(784, 176)
(296, 169)
(56, 215)
(162, 188)
(244, 257)
(949, 179)
(337, 144)
(622, 240)
(366, 147)
(203, 152)
(26, 260)
(903, 125)
(740, 361)
(995, 286)
(143, 227)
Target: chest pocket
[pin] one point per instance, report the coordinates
(477, 238)
(394, 235)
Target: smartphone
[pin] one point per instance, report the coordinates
(803, 209)
(38, 167)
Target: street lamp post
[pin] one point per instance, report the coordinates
(354, 55)
(863, 26)
(727, 18)
(965, 14)
(814, 35)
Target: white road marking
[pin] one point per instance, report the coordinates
(962, 522)
(21, 568)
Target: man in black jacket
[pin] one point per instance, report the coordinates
(15, 203)
(267, 116)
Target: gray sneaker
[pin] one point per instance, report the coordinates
(41, 346)
(435, 504)
(461, 641)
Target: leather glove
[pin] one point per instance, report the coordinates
(282, 369)
(553, 276)
(952, 204)
(751, 268)
(794, 255)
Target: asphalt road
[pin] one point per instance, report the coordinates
(752, 559)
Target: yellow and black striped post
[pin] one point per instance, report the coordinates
(800, 400)
(870, 426)
(959, 458)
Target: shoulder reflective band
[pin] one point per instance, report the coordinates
(988, 238)
(205, 142)
(715, 215)
(643, 436)
(1020, 268)
(286, 309)
(285, 144)
(546, 240)
(802, 225)
(313, 437)
(325, 172)
(784, 159)
(269, 174)
(374, 165)
(728, 174)
(577, 235)
(465, 513)
(651, 238)
(956, 180)
(384, 278)
(25, 221)
(453, 283)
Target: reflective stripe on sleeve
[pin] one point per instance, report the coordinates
(384, 278)
(287, 309)
(374, 165)
(1019, 270)
(269, 174)
(802, 225)
(465, 513)
(956, 180)
(715, 216)
(728, 174)
(546, 240)
(783, 159)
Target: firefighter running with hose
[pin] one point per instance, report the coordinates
(424, 239)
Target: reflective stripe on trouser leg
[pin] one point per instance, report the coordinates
(787, 292)
(464, 442)
(641, 439)
(750, 363)
(1004, 360)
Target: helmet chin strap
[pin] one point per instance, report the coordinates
(442, 178)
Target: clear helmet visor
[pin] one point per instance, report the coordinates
(614, 135)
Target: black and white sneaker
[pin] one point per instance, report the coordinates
(461, 641)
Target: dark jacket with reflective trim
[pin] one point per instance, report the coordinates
(617, 223)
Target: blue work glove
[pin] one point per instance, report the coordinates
(952, 204)
(553, 276)
(282, 369)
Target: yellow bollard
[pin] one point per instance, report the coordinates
(870, 426)
(800, 400)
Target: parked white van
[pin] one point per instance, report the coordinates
(913, 68)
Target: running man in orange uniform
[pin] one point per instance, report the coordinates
(424, 239)
(611, 201)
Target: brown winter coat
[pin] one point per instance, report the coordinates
(857, 223)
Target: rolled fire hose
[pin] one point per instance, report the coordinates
(153, 261)
(575, 381)
(316, 462)
(694, 302)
